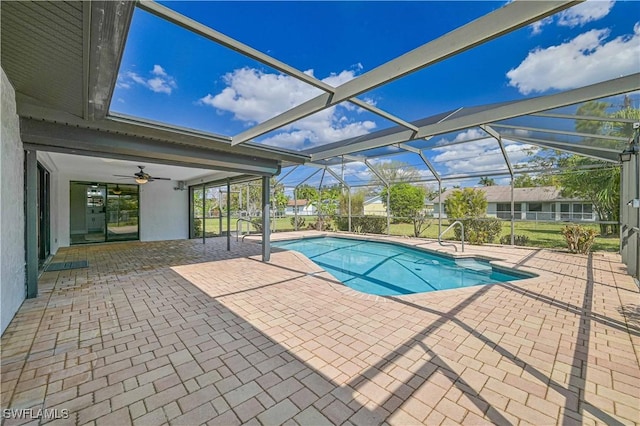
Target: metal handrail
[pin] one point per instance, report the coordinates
(238, 227)
(457, 222)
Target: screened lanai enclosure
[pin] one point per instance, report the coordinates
(581, 132)
(393, 115)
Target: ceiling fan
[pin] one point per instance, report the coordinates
(141, 177)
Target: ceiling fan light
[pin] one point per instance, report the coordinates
(141, 181)
(116, 190)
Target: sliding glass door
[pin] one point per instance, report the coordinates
(122, 212)
(101, 212)
(44, 215)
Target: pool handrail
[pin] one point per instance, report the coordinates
(238, 228)
(457, 222)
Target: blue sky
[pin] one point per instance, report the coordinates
(170, 75)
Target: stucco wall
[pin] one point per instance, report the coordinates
(12, 268)
(164, 212)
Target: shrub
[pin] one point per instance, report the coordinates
(519, 240)
(299, 224)
(197, 227)
(579, 239)
(257, 223)
(421, 222)
(362, 224)
(466, 202)
(320, 225)
(480, 230)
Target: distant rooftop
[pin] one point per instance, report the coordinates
(502, 194)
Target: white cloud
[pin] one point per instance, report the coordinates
(158, 81)
(578, 15)
(536, 27)
(582, 13)
(584, 60)
(253, 96)
(478, 156)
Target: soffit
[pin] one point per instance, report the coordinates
(42, 51)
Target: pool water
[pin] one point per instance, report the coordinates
(387, 269)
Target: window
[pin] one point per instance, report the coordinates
(583, 211)
(503, 210)
(535, 207)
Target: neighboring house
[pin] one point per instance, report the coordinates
(301, 207)
(374, 207)
(538, 203)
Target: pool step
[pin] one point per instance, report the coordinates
(474, 265)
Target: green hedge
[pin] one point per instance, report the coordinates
(362, 224)
(480, 230)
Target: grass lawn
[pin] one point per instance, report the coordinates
(541, 234)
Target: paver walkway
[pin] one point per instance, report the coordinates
(178, 332)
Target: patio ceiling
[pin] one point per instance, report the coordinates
(63, 60)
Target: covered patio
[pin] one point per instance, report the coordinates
(177, 327)
(194, 334)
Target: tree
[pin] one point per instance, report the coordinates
(306, 192)
(466, 202)
(280, 200)
(470, 206)
(395, 172)
(589, 178)
(487, 181)
(357, 203)
(407, 201)
(528, 181)
(326, 203)
(601, 186)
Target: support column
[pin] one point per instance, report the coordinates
(388, 210)
(295, 208)
(204, 216)
(349, 201)
(513, 206)
(229, 214)
(439, 207)
(31, 222)
(266, 219)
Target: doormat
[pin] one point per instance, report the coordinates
(62, 266)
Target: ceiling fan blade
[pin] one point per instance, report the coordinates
(158, 178)
(126, 176)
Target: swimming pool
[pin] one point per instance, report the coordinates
(387, 269)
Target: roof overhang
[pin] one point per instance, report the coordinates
(58, 137)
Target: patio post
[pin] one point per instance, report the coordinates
(220, 210)
(229, 214)
(204, 216)
(388, 210)
(349, 200)
(31, 222)
(513, 237)
(295, 207)
(266, 216)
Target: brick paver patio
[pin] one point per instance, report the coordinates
(178, 332)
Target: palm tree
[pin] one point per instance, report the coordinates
(486, 181)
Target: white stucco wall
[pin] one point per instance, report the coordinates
(12, 267)
(164, 212)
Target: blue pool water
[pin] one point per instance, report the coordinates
(387, 269)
